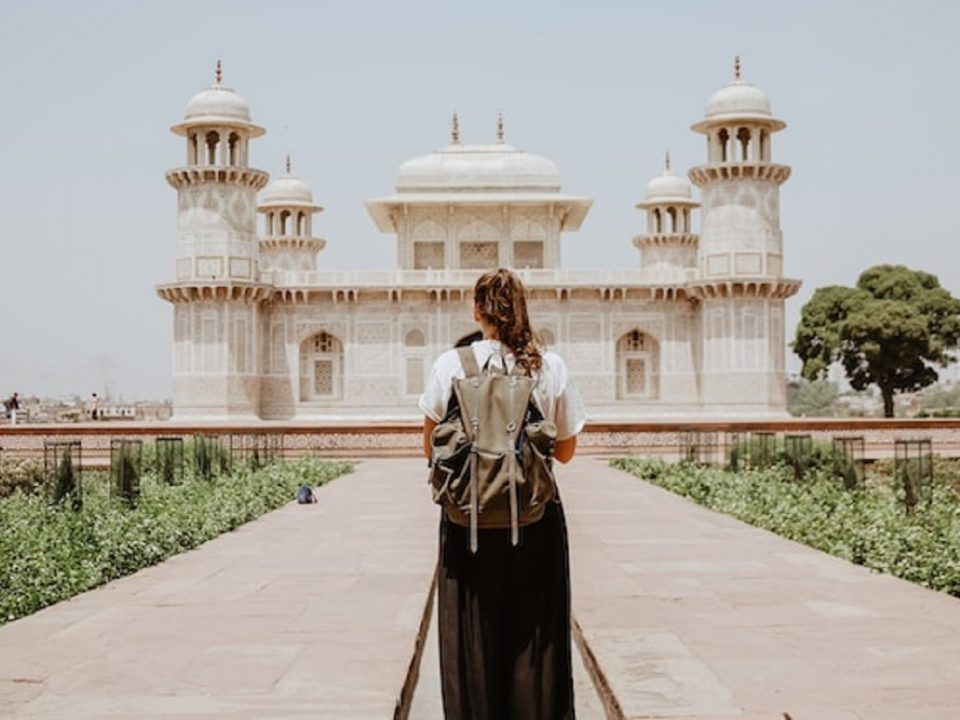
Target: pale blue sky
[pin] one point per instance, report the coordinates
(88, 91)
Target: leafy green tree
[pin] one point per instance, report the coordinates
(813, 398)
(891, 330)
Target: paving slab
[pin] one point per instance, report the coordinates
(311, 611)
(691, 613)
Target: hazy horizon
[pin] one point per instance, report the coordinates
(351, 90)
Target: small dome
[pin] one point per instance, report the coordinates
(739, 99)
(217, 102)
(286, 190)
(668, 187)
(218, 105)
(478, 167)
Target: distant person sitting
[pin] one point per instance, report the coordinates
(94, 407)
(12, 405)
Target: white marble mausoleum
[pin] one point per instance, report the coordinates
(695, 329)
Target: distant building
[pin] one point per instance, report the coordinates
(259, 332)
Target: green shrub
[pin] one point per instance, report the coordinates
(25, 476)
(866, 525)
(48, 553)
(66, 482)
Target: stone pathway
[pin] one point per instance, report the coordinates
(311, 611)
(694, 614)
(314, 612)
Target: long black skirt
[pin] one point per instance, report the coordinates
(504, 623)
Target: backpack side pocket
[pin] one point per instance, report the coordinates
(540, 438)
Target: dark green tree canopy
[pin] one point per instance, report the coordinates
(891, 330)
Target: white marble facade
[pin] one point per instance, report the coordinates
(259, 332)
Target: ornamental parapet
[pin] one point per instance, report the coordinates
(774, 288)
(351, 286)
(279, 242)
(195, 175)
(666, 239)
(705, 174)
(248, 293)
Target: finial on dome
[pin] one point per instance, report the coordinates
(500, 128)
(455, 130)
(288, 163)
(219, 73)
(736, 67)
(666, 162)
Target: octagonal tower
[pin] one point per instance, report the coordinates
(668, 249)
(288, 243)
(740, 256)
(217, 292)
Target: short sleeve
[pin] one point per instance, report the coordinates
(570, 415)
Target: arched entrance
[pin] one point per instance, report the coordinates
(638, 366)
(321, 367)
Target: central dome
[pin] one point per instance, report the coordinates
(478, 167)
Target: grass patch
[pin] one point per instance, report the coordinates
(867, 526)
(51, 552)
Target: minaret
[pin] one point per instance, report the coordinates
(740, 255)
(287, 243)
(668, 249)
(217, 292)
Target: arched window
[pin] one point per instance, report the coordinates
(321, 367)
(212, 140)
(301, 224)
(284, 217)
(672, 213)
(764, 146)
(723, 140)
(192, 149)
(234, 148)
(638, 366)
(743, 137)
(415, 338)
(657, 221)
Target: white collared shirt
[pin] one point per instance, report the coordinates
(555, 392)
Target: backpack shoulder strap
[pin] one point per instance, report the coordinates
(469, 361)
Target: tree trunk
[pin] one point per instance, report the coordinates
(887, 393)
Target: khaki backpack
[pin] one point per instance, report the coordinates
(492, 454)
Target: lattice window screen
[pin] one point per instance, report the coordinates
(528, 254)
(635, 341)
(324, 342)
(636, 376)
(323, 377)
(478, 255)
(428, 256)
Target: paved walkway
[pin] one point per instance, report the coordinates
(692, 613)
(313, 612)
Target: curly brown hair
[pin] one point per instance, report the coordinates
(498, 297)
